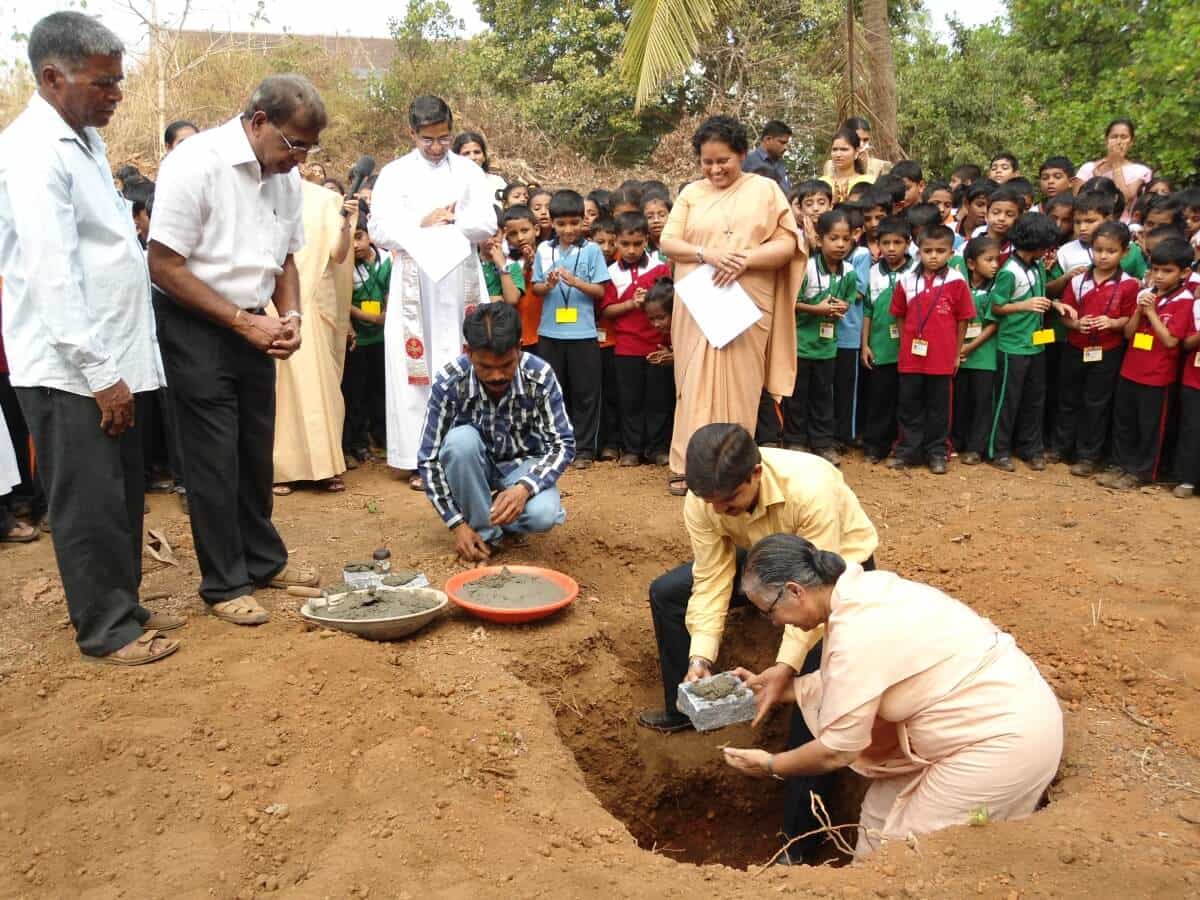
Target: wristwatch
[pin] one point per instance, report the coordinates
(700, 255)
(292, 314)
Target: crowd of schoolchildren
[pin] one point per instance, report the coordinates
(983, 317)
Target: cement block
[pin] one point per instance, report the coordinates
(708, 715)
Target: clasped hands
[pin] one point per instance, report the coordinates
(730, 265)
(278, 338)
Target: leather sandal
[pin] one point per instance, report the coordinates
(20, 534)
(241, 611)
(150, 647)
(290, 576)
(160, 621)
(677, 486)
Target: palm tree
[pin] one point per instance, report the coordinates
(882, 66)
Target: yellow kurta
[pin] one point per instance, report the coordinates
(724, 385)
(309, 410)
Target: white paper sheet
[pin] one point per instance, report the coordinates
(721, 313)
(437, 249)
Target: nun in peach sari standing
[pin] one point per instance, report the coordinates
(936, 705)
(742, 226)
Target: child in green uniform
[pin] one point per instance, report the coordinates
(504, 277)
(365, 379)
(881, 338)
(1020, 304)
(977, 370)
(830, 286)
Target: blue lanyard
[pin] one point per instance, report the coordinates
(566, 291)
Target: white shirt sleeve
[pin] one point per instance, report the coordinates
(391, 213)
(46, 229)
(476, 218)
(180, 205)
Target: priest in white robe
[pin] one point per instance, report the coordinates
(431, 209)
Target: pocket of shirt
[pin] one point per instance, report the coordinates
(284, 228)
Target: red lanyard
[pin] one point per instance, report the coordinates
(933, 305)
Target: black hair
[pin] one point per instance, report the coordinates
(506, 191)
(1005, 194)
(606, 223)
(131, 184)
(1059, 162)
(725, 129)
(662, 292)
(1171, 205)
(1064, 199)
(720, 458)
(1034, 231)
(977, 246)
(363, 223)
(1156, 180)
(1128, 123)
(936, 232)
(1108, 186)
(1095, 201)
(776, 128)
(171, 134)
(969, 172)
(765, 171)
(125, 173)
(1170, 252)
(854, 213)
(1189, 198)
(1024, 188)
(471, 137)
(935, 186)
(632, 223)
(781, 558)
(655, 195)
(827, 220)
(653, 184)
(600, 198)
(894, 186)
(494, 327)
(857, 124)
(923, 215)
(908, 169)
(894, 225)
(808, 188)
(1162, 232)
(538, 192)
(429, 110)
(514, 213)
(623, 195)
(137, 207)
(565, 203)
(1118, 231)
(874, 198)
(1011, 159)
(979, 189)
(850, 136)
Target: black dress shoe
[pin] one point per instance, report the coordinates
(663, 721)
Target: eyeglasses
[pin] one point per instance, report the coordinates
(445, 140)
(766, 613)
(296, 149)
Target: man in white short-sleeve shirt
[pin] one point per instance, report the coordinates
(80, 334)
(227, 219)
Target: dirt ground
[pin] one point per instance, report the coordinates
(475, 760)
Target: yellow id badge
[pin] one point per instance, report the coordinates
(1043, 336)
(826, 331)
(372, 307)
(1093, 354)
(894, 331)
(974, 330)
(566, 315)
(920, 347)
(1143, 341)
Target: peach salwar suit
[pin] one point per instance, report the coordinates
(724, 385)
(950, 716)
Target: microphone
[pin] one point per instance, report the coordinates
(361, 172)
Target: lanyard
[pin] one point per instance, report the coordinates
(1114, 280)
(830, 284)
(1037, 283)
(933, 304)
(566, 291)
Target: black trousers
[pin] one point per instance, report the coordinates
(1019, 414)
(647, 395)
(973, 391)
(1139, 425)
(808, 413)
(1187, 446)
(879, 427)
(579, 368)
(170, 421)
(364, 386)
(1054, 354)
(769, 427)
(30, 489)
(923, 413)
(1085, 401)
(845, 395)
(224, 395)
(612, 433)
(95, 488)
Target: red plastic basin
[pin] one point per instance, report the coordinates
(512, 616)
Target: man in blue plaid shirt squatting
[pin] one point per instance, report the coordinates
(496, 438)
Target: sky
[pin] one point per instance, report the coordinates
(369, 19)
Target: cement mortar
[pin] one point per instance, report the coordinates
(366, 606)
(510, 590)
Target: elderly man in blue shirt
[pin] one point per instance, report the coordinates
(79, 332)
(496, 438)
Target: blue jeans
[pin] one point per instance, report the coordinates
(473, 475)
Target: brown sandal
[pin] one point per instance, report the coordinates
(150, 647)
(20, 534)
(243, 610)
(334, 485)
(677, 486)
(281, 490)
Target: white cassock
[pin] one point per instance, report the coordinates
(407, 190)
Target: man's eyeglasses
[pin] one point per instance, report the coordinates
(445, 140)
(297, 149)
(766, 613)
